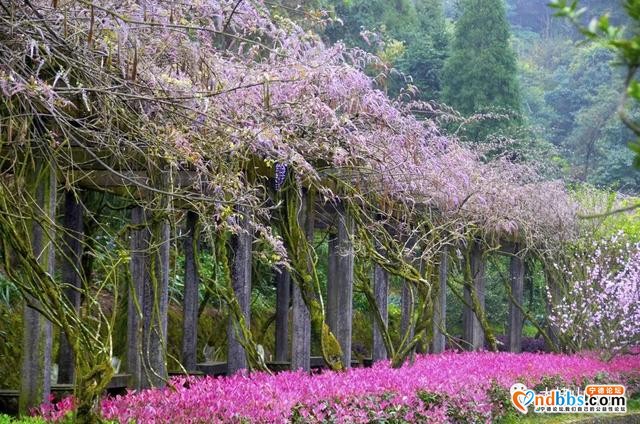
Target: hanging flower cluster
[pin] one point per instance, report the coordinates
(213, 84)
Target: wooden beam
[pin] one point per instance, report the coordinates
(155, 308)
(191, 299)
(440, 305)
(344, 280)
(473, 333)
(301, 333)
(283, 299)
(35, 373)
(332, 284)
(381, 294)
(516, 274)
(140, 238)
(71, 264)
(241, 244)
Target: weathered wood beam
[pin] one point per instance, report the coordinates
(381, 294)
(148, 301)
(35, 373)
(301, 332)
(473, 333)
(191, 299)
(140, 238)
(283, 299)
(516, 276)
(440, 306)
(155, 308)
(344, 281)
(241, 247)
(332, 284)
(71, 265)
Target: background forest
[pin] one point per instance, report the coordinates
(565, 91)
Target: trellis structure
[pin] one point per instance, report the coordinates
(147, 327)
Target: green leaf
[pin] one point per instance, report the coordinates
(634, 89)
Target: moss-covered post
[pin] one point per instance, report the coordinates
(283, 299)
(71, 265)
(440, 306)
(301, 332)
(139, 239)
(516, 274)
(35, 373)
(191, 300)
(474, 291)
(241, 280)
(381, 293)
(344, 282)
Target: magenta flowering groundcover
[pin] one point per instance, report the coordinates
(451, 387)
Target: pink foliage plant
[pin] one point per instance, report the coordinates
(437, 388)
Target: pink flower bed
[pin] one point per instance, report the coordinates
(437, 388)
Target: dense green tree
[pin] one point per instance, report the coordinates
(480, 73)
(410, 35)
(426, 48)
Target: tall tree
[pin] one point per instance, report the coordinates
(480, 73)
(426, 48)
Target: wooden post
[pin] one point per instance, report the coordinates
(381, 293)
(332, 284)
(155, 309)
(148, 302)
(473, 333)
(191, 294)
(516, 272)
(140, 238)
(283, 298)
(35, 373)
(344, 281)
(301, 333)
(440, 306)
(241, 245)
(70, 271)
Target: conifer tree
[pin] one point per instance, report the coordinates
(480, 74)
